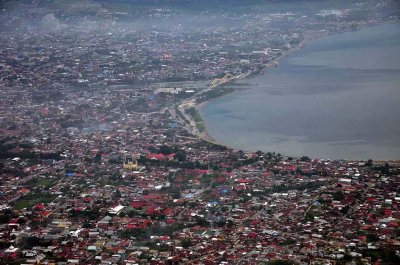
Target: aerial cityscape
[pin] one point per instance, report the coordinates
(199, 132)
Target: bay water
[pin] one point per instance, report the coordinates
(337, 98)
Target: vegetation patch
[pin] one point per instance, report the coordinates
(45, 182)
(215, 93)
(195, 114)
(33, 198)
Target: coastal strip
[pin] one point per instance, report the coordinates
(189, 110)
(197, 125)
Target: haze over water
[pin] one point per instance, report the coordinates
(339, 97)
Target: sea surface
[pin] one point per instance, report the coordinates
(337, 98)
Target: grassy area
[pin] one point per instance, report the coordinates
(195, 114)
(21, 204)
(45, 182)
(32, 199)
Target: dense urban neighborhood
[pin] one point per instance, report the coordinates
(104, 158)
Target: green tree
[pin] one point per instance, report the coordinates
(309, 217)
(186, 243)
(305, 159)
(166, 150)
(97, 158)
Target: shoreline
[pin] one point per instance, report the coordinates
(205, 135)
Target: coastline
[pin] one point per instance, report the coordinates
(205, 135)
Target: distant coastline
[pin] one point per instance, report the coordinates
(205, 135)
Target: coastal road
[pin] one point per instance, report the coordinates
(189, 124)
